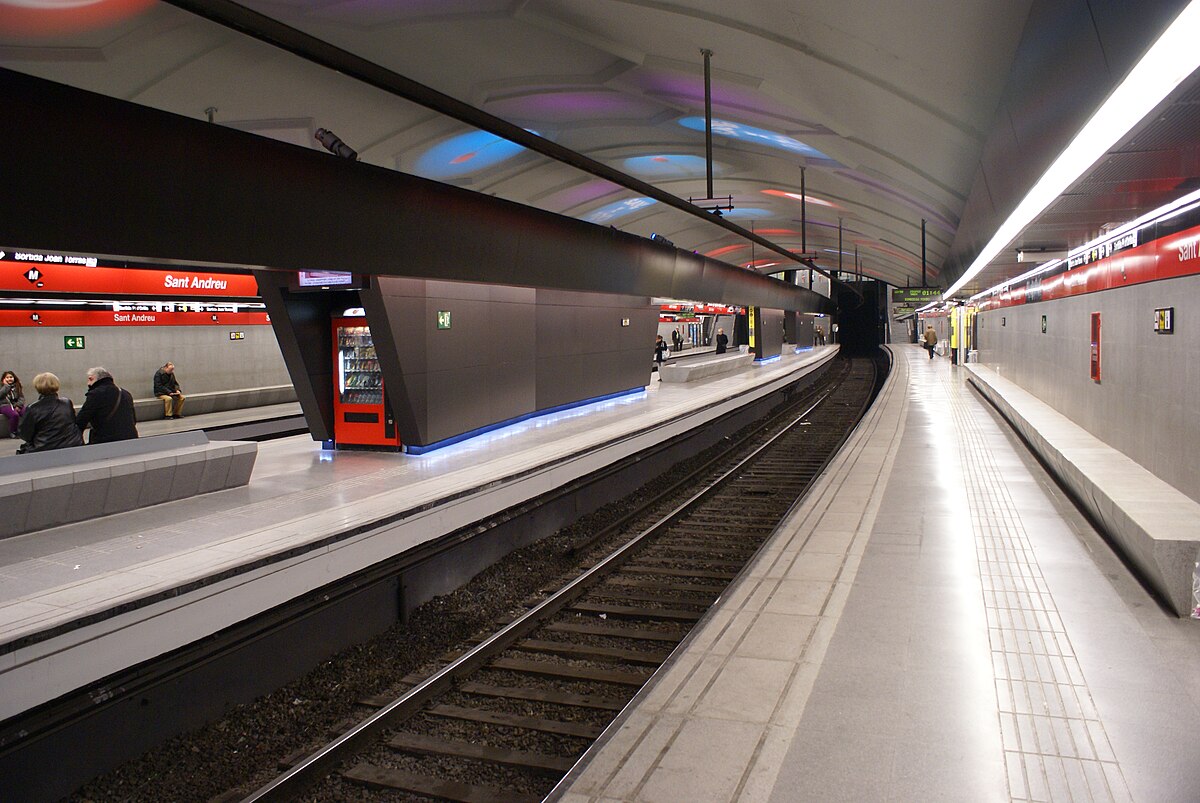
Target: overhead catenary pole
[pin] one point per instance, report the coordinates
(708, 117)
(923, 284)
(804, 224)
(839, 247)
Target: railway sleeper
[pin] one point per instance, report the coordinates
(570, 672)
(588, 652)
(671, 562)
(551, 696)
(505, 719)
(742, 551)
(666, 571)
(386, 778)
(662, 595)
(664, 585)
(634, 612)
(618, 631)
(522, 759)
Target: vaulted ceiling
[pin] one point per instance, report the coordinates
(888, 108)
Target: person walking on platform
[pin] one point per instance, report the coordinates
(166, 387)
(676, 341)
(930, 339)
(108, 410)
(12, 401)
(722, 341)
(660, 354)
(49, 422)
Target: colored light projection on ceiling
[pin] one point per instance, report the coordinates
(465, 154)
(580, 194)
(759, 136)
(748, 213)
(618, 209)
(726, 249)
(47, 17)
(795, 196)
(668, 166)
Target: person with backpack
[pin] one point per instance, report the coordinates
(930, 340)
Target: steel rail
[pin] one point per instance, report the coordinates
(688, 479)
(316, 765)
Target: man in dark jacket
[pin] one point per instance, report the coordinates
(108, 409)
(48, 423)
(166, 387)
(722, 341)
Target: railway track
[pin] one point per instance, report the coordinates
(509, 716)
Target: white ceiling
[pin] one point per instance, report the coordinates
(900, 98)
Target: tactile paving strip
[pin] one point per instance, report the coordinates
(1055, 746)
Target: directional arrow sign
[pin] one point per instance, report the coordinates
(73, 342)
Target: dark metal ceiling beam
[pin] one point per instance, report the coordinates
(318, 51)
(93, 174)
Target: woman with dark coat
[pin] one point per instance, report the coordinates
(108, 409)
(49, 423)
(12, 400)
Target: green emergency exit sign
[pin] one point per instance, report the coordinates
(443, 319)
(73, 342)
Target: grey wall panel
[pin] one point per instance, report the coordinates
(1148, 401)
(584, 350)
(508, 351)
(772, 332)
(302, 325)
(555, 377)
(206, 359)
(805, 327)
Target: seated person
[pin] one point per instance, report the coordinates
(12, 401)
(49, 422)
(108, 410)
(166, 387)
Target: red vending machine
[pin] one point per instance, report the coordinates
(361, 417)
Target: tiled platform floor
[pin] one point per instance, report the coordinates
(936, 622)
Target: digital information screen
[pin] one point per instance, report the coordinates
(324, 278)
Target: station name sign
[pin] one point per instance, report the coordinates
(43, 272)
(909, 295)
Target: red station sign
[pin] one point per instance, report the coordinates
(29, 272)
(76, 318)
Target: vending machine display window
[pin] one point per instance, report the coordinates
(362, 416)
(359, 379)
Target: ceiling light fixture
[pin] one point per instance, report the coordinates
(1163, 213)
(1166, 64)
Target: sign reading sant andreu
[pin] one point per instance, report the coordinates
(906, 295)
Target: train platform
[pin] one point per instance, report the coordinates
(935, 621)
(227, 418)
(82, 601)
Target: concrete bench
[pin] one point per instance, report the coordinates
(46, 489)
(700, 369)
(1154, 525)
(217, 401)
